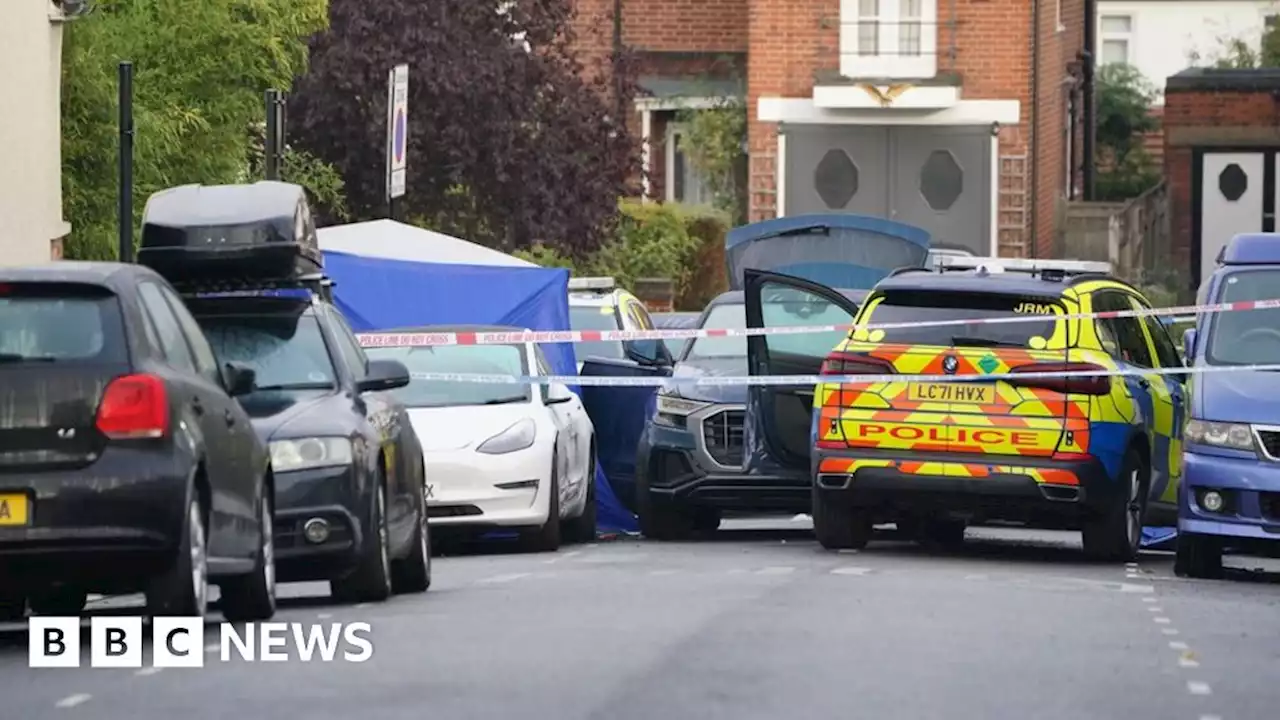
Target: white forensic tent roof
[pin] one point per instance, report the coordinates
(391, 240)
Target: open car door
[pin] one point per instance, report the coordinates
(779, 419)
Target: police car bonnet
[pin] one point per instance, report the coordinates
(196, 233)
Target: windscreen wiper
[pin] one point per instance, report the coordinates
(982, 342)
(506, 400)
(295, 386)
(16, 358)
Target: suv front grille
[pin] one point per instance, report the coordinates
(1270, 440)
(723, 433)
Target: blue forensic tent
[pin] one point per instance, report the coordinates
(390, 275)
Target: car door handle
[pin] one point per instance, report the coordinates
(229, 417)
(196, 406)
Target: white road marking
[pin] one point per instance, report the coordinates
(776, 571)
(1149, 600)
(1162, 620)
(1131, 565)
(1131, 588)
(324, 616)
(663, 572)
(1187, 662)
(737, 571)
(1155, 609)
(977, 577)
(502, 578)
(361, 606)
(1169, 631)
(211, 648)
(148, 671)
(1199, 688)
(1178, 645)
(1210, 717)
(71, 701)
(849, 570)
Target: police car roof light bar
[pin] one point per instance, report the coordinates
(1024, 265)
(592, 283)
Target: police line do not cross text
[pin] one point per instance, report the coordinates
(179, 642)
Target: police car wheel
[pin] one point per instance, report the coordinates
(840, 528)
(1199, 556)
(1116, 533)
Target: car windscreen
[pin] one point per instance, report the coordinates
(779, 312)
(919, 307)
(64, 323)
(286, 351)
(1246, 337)
(595, 317)
(463, 359)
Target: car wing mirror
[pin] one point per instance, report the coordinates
(651, 353)
(558, 393)
(1189, 346)
(240, 378)
(384, 375)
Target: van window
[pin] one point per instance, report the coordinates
(1246, 337)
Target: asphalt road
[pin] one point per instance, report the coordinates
(755, 623)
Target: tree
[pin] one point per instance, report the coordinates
(1125, 97)
(715, 142)
(510, 142)
(1243, 53)
(201, 67)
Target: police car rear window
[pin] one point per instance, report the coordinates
(923, 306)
(64, 323)
(595, 317)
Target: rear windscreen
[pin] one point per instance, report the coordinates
(919, 307)
(59, 323)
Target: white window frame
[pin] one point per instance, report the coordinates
(669, 187)
(1126, 37)
(888, 63)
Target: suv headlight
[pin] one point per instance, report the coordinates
(308, 453)
(1235, 436)
(517, 437)
(673, 409)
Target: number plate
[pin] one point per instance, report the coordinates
(952, 393)
(14, 509)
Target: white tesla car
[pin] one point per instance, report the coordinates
(500, 456)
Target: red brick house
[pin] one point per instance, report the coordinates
(948, 114)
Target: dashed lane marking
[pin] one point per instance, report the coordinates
(1199, 688)
(1155, 609)
(1187, 662)
(71, 701)
(849, 570)
(148, 671)
(1178, 645)
(1162, 620)
(1169, 631)
(776, 571)
(1149, 600)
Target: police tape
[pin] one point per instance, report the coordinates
(789, 380)
(392, 339)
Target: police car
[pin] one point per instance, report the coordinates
(346, 466)
(597, 303)
(1098, 454)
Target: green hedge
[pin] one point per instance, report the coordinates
(656, 240)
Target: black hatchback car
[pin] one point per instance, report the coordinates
(125, 463)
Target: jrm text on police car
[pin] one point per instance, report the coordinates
(179, 642)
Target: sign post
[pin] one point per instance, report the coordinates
(397, 134)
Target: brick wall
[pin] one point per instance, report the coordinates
(685, 25)
(1209, 117)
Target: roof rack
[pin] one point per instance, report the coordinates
(597, 284)
(318, 285)
(1048, 269)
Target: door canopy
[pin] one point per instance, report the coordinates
(840, 251)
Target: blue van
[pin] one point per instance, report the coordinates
(1230, 495)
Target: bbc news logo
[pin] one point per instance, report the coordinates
(179, 642)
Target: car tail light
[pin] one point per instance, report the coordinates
(845, 363)
(134, 407)
(1068, 382)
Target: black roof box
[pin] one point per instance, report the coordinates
(195, 234)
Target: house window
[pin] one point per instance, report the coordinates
(895, 39)
(685, 184)
(1116, 35)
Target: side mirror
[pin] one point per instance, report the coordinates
(384, 375)
(557, 393)
(240, 378)
(652, 353)
(1189, 345)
